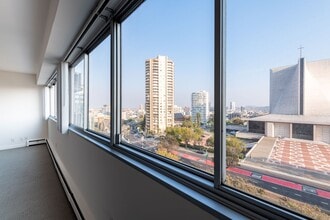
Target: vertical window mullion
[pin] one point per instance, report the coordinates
(86, 100)
(50, 101)
(47, 104)
(55, 99)
(71, 98)
(219, 95)
(115, 82)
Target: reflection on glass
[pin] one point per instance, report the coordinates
(53, 100)
(78, 84)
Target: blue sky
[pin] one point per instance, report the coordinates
(99, 70)
(181, 31)
(260, 35)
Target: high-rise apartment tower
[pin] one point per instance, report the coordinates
(200, 106)
(159, 94)
(232, 106)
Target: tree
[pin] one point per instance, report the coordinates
(198, 131)
(198, 119)
(187, 135)
(210, 122)
(234, 150)
(168, 142)
(210, 141)
(198, 134)
(183, 134)
(187, 123)
(237, 121)
(174, 132)
(142, 123)
(166, 153)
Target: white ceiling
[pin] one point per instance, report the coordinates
(35, 34)
(22, 25)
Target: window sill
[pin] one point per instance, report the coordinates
(90, 136)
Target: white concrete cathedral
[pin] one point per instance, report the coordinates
(299, 102)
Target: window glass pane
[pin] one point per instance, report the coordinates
(167, 80)
(278, 103)
(78, 94)
(53, 100)
(99, 88)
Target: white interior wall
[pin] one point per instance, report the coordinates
(107, 188)
(21, 110)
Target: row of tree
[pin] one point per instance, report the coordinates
(190, 133)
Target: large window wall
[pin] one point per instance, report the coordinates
(167, 90)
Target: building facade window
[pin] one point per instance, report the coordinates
(302, 131)
(257, 127)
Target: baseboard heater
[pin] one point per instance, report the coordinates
(33, 142)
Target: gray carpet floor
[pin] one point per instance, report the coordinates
(30, 187)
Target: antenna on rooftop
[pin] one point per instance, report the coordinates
(300, 48)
